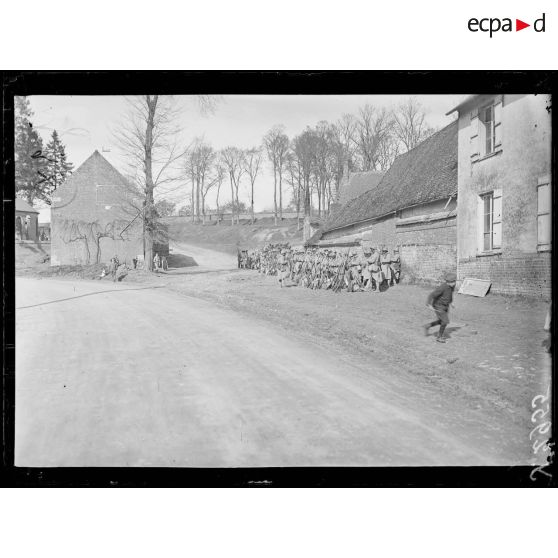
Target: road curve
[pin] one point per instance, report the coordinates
(122, 375)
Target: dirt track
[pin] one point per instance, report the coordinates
(254, 375)
(145, 377)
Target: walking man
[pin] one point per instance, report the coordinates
(439, 300)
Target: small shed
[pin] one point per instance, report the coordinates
(26, 221)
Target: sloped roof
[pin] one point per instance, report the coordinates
(424, 174)
(95, 170)
(22, 205)
(358, 183)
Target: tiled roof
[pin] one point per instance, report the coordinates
(22, 205)
(424, 174)
(358, 183)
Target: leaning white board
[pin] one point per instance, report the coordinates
(475, 287)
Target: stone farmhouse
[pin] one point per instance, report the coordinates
(95, 215)
(504, 185)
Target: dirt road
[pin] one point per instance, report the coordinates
(132, 375)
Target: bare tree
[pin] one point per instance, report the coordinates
(372, 129)
(294, 179)
(219, 173)
(276, 144)
(410, 127)
(303, 149)
(233, 160)
(346, 132)
(148, 135)
(199, 160)
(252, 163)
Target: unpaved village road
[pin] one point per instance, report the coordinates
(134, 375)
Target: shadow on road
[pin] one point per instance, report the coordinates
(180, 260)
(202, 271)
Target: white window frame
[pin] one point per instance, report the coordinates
(544, 182)
(495, 222)
(487, 131)
(480, 137)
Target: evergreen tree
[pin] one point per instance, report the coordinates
(57, 167)
(30, 166)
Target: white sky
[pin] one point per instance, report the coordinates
(85, 122)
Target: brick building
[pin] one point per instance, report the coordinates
(413, 207)
(95, 215)
(504, 186)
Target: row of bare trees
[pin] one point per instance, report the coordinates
(207, 170)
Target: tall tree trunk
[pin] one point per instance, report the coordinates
(149, 185)
(192, 204)
(280, 194)
(252, 202)
(275, 191)
(236, 186)
(198, 187)
(217, 202)
(307, 196)
(298, 206)
(232, 199)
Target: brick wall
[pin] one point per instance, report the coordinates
(95, 197)
(426, 264)
(428, 250)
(512, 274)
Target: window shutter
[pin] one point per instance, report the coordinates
(474, 135)
(497, 219)
(480, 224)
(498, 123)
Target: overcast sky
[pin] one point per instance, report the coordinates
(85, 123)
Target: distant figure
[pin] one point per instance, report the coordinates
(156, 261)
(395, 266)
(385, 264)
(439, 300)
(114, 263)
(19, 228)
(374, 269)
(164, 263)
(135, 262)
(26, 227)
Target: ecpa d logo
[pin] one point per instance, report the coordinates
(494, 24)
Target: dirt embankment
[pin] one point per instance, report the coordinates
(226, 238)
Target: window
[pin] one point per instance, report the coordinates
(543, 215)
(486, 118)
(486, 130)
(491, 207)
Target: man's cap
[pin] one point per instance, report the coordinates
(451, 277)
